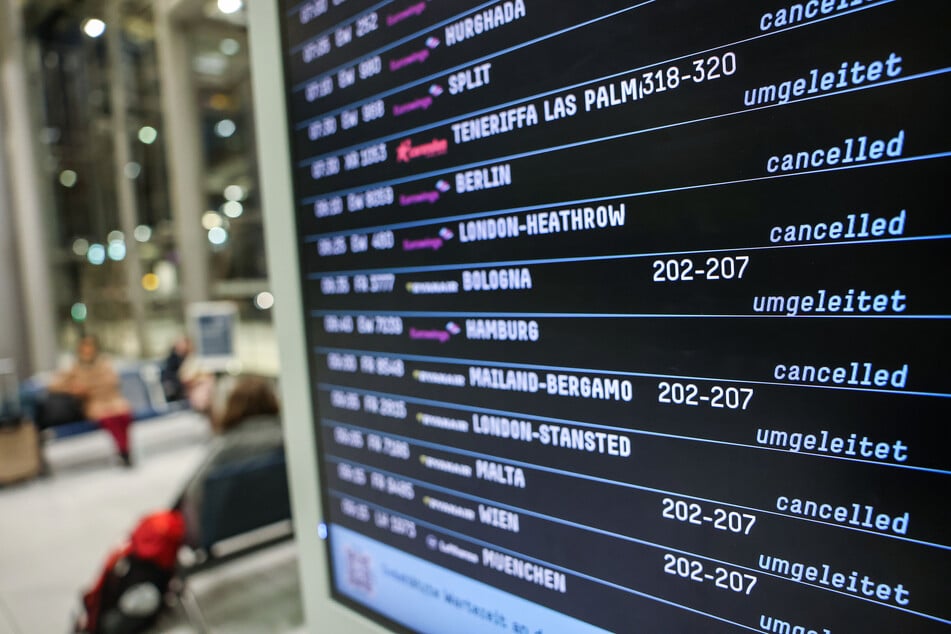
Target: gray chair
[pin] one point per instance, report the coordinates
(245, 507)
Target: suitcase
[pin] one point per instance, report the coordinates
(19, 452)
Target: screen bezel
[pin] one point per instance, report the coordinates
(280, 230)
(321, 604)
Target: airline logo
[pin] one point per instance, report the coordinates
(434, 243)
(416, 104)
(419, 197)
(436, 334)
(429, 196)
(414, 10)
(406, 151)
(417, 57)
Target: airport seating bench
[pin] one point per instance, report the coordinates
(141, 385)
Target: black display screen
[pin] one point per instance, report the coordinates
(628, 317)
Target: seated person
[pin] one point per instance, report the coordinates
(171, 372)
(249, 426)
(184, 378)
(143, 566)
(94, 382)
(200, 385)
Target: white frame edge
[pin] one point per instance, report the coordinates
(321, 612)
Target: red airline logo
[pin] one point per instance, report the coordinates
(406, 152)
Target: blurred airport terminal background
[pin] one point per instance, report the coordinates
(128, 197)
(128, 182)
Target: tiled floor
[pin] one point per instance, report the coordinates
(255, 595)
(55, 533)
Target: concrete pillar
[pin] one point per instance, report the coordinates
(128, 204)
(12, 322)
(28, 233)
(183, 150)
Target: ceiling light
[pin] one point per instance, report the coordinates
(68, 178)
(229, 46)
(217, 236)
(148, 134)
(210, 220)
(225, 128)
(80, 246)
(94, 27)
(229, 6)
(78, 312)
(142, 233)
(150, 282)
(263, 300)
(233, 209)
(234, 192)
(116, 250)
(96, 254)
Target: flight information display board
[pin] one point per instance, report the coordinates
(628, 317)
